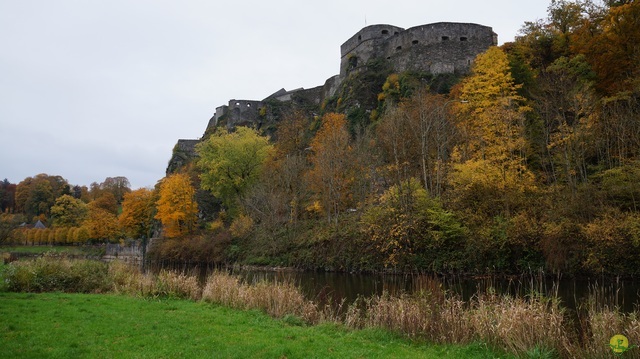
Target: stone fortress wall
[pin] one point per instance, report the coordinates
(437, 48)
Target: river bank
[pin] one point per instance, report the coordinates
(514, 324)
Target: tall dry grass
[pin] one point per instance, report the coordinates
(277, 299)
(517, 325)
(130, 280)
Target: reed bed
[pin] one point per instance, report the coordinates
(530, 325)
(277, 299)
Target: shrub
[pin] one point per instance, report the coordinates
(48, 273)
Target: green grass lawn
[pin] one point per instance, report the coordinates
(55, 325)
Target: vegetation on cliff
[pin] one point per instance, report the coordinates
(529, 161)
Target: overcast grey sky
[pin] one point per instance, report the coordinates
(105, 88)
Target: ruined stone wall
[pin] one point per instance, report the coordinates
(243, 113)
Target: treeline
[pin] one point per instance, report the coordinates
(530, 161)
(46, 209)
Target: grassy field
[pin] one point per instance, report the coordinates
(55, 325)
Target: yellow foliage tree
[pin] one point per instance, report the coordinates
(491, 154)
(177, 208)
(81, 235)
(102, 224)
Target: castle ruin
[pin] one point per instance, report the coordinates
(438, 48)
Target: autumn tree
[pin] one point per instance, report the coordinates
(7, 196)
(612, 49)
(102, 224)
(176, 206)
(398, 146)
(565, 102)
(279, 195)
(333, 168)
(68, 211)
(491, 125)
(231, 162)
(106, 201)
(138, 210)
(36, 195)
(417, 136)
(117, 186)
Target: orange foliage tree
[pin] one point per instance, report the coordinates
(177, 208)
(138, 210)
(333, 169)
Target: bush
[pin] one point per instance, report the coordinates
(49, 273)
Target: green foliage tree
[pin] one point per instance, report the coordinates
(411, 230)
(68, 211)
(8, 224)
(36, 195)
(7, 196)
(231, 162)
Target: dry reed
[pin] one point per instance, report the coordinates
(129, 280)
(276, 299)
(599, 324)
(517, 324)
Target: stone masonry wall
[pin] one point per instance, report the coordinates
(435, 48)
